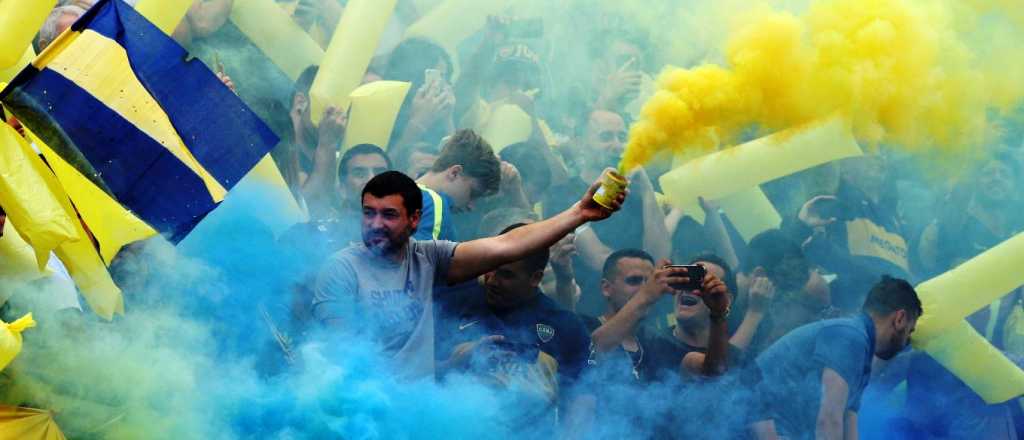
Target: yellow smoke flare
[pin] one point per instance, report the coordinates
(902, 72)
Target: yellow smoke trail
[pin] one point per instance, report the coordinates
(903, 72)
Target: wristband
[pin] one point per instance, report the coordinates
(718, 319)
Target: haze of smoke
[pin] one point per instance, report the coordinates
(903, 72)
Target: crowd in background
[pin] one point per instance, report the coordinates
(463, 258)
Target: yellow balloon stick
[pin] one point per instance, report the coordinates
(728, 171)
(954, 295)
(19, 258)
(33, 199)
(349, 53)
(750, 212)
(507, 125)
(165, 14)
(20, 20)
(375, 107)
(455, 20)
(274, 32)
(970, 357)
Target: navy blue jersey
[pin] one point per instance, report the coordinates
(435, 223)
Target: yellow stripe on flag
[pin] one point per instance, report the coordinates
(100, 66)
(111, 224)
(32, 197)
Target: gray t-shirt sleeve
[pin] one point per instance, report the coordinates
(336, 290)
(440, 254)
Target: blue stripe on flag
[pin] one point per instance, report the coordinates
(222, 133)
(141, 174)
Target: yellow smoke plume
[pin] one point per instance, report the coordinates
(915, 74)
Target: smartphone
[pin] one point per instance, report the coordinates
(694, 272)
(431, 77)
(526, 28)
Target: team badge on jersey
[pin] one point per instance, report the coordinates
(545, 332)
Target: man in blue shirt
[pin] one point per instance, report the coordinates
(813, 377)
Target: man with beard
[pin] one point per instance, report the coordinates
(641, 224)
(384, 286)
(813, 377)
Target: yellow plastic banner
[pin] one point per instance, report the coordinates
(8, 73)
(375, 107)
(728, 171)
(90, 275)
(165, 14)
(19, 259)
(750, 212)
(111, 224)
(274, 32)
(954, 295)
(455, 20)
(508, 124)
(28, 424)
(32, 197)
(970, 357)
(10, 338)
(349, 54)
(20, 20)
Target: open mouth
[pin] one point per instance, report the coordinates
(689, 300)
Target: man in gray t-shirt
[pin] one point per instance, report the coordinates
(384, 286)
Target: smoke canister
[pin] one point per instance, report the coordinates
(612, 184)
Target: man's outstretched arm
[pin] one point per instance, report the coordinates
(477, 257)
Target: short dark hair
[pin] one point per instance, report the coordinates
(360, 150)
(730, 275)
(611, 264)
(412, 57)
(781, 258)
(535, 261)
(393, 182)
(891, 294)
(478, 161)
(529, 159)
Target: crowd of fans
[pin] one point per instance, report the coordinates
(463, 258)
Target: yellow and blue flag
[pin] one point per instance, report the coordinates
(119, 101)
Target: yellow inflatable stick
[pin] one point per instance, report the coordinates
(275, 33)
(20, 20)
(750, 212)
(8, 73)
(111, 224)
(954, 295)
(10, 338)
(725, 172)
(508, 124)
(970, 357)
(349, 53)
(32, 197)
(165, 14)
(375, 107)
(455, 20)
